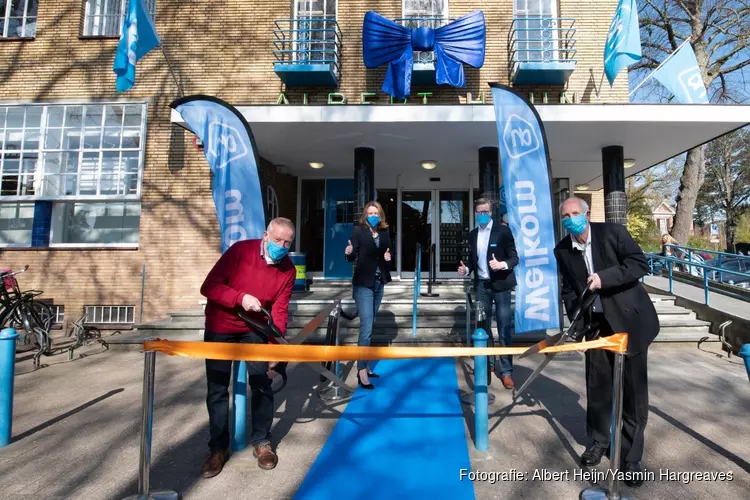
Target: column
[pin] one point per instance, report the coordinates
(364, 179)
(613, 171)
(489, 177)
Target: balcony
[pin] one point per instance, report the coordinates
(307, 51)
(541, 50)
(423, 69)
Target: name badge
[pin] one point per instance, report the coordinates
(493, 244)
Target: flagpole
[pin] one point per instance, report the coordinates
(660, 65)
(171, 70)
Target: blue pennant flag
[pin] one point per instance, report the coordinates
(137, 39)
(681, 75)
(229, 147)
(526, 180)
(623, 46)
(455, 44)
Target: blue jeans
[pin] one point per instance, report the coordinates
(368, 302)
(487, 296)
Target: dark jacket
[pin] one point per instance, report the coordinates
(503, 246)
(367, 257)
(620, 264)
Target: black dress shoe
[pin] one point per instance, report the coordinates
(593, 454)
(634, 474)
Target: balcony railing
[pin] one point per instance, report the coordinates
(541, 50)
(307, 51)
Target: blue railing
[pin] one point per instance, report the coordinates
(425, 57)
(705, 271)
(310, 40)
(417, 288)
(541, 41)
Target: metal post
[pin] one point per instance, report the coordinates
(147, 419)
(468, 318)
(469, 397)
(669, 265)
(239, 405)
(143, 287)
(8, 338)
(481, 412)
(705, 284)
(431, 281)
(336, 313)
(615, 439)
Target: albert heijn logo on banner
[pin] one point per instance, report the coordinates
(691, 81)
(225, 143)
(520, 137)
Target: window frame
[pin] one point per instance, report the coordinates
(445, 14)
(85, 18)
(272, 202)
(5, 16)
(38, 172)
(39, 169)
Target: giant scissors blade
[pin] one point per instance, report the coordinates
(585, 300)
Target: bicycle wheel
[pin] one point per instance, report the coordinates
(27, 339)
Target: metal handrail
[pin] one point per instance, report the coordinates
(286, 37)
(690, 250)
(417, 287)
(706, 287)
(561, 40)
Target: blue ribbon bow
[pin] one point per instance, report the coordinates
(457, 43)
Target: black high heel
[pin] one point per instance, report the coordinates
(364, 386)
(373, 375)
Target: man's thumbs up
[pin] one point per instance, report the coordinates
(387, 255)
(349, 248)
(495, 265)
(462, 269)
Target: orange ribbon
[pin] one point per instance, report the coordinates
(317, 354)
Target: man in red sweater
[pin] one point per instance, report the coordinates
(251, 274)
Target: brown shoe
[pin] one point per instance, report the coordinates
(508, 382)
(267, 459)
(214, 464)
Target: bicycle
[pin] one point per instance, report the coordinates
(31, 319)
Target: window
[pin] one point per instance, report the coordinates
(109, 314)
(58, 314)
(272, 203)
(84, 161)
(315, 38)
(537, 29)
(344, 211)
(421, 14)
(18, 18)
(105, 17)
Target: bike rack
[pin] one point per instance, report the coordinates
(332, 393)
(723, 337)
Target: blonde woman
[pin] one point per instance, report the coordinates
(370, 250)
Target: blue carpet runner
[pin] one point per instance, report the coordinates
(405, 439)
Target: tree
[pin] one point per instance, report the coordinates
(652, 186)
(726, 190)
(721, 41)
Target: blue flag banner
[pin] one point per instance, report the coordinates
(229, 147)
(681, 75)
(527, 181)
(137, 38)
(623, 46)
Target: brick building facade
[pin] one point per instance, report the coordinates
(222, 49)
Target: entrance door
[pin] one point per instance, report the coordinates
(339, 217)
(447, 227)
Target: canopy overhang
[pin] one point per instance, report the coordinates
(402, 136)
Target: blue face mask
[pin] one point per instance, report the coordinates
(373, 220)
(275, 251)
(576, 224)
(483, 219)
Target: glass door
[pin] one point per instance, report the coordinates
(453, 232)
(447, 228)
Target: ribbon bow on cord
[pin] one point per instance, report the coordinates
(457, 43)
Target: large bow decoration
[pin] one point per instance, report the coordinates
(457, 43)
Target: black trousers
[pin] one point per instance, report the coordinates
(219, 374)
(599, 379)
